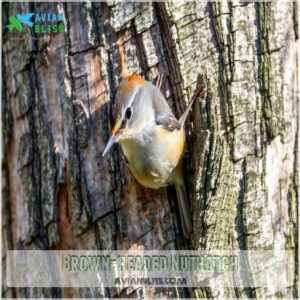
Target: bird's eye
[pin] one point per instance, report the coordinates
(128, 113)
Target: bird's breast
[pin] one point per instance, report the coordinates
(153, 156)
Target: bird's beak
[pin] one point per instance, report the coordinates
(113, 138)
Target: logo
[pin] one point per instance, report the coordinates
(38, 22)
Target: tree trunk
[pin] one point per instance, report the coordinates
(241, 158)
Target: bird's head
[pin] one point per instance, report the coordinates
(123, 113)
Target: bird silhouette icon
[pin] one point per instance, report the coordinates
(18, 21)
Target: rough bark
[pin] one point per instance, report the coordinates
(241, 159)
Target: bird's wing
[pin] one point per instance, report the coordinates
(169, 122)
(163, 113)
(160, 104)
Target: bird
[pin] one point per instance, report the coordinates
(17, 23)
(25, 19)
(151, 137)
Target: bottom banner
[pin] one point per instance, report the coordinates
(137, 268)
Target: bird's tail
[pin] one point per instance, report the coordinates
(185, 214)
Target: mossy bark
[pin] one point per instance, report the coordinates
(241, 156)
